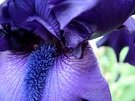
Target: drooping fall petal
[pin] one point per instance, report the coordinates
(88, 82)
(12, 72)
(67, 79)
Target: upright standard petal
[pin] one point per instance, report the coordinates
(104, 21)
(92, 22)
(67, 10)
(4, 14)
(36, 11)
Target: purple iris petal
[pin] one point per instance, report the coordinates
(38, 28)
(68, 79)
(117, 40)
(95, 21)
(130, 57)
(12, 72)
(66, 10)
(92, 16)
(88, 82)
(4, 44)
(55, 1)
(124, 36)
(130, 24)
(4, 15)
(26, 12)
(41, 76)
(4, 40)
(75, 34)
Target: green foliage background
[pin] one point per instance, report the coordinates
(120, 76)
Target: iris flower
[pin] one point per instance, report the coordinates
(45, 54)
(124, 36)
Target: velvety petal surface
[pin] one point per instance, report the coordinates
(93, 22)
(55, 1)
(12, 71)
(4, 44)
(66, 10)
(104, 21)
(74, 79)
(4, 14)
(75, 33)
(37, 11)
(69, 79)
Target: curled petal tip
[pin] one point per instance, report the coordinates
(67, 10)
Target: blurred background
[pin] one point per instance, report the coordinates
(120, 76)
